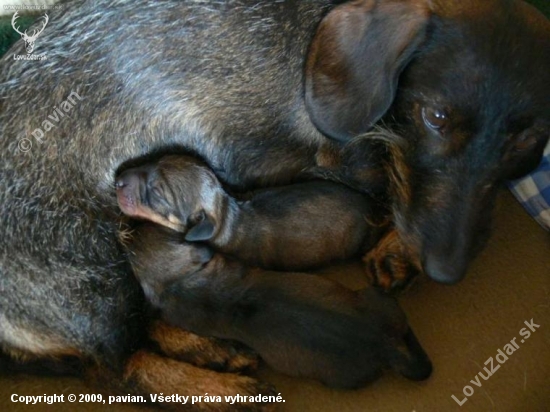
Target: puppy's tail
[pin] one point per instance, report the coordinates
(410, 359)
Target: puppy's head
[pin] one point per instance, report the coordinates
(399, 346)
(177, 192)
(159, 258)
(467, 86)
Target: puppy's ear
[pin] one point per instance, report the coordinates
(201, 228)
(355, 61)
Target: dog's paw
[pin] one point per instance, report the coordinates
(390, 265)
(211, 353)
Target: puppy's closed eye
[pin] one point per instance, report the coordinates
(157, 191)
(159, 199)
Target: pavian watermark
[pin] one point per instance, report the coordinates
(501, 358)
(25, 144)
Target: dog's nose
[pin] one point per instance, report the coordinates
(444, 270)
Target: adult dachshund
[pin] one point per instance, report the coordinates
(266, 92)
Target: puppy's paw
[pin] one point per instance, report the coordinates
(211, 353)
(390, 265)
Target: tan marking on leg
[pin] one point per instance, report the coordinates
(202, 351)
(151, 373)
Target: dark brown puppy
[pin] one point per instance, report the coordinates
(300, 324)
(292, 227)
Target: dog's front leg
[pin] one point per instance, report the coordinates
(205, 352)
(149, 378)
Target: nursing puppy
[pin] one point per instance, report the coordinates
(288, 228)
(300, 324)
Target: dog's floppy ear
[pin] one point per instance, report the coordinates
(201, 228)
(355, 61)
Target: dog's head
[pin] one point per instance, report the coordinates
(467, 86)
(177, 192)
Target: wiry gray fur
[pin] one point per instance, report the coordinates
(151, 75)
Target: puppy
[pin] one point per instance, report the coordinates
(300, 324)
(287, 228)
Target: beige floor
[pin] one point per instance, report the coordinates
(460, 327)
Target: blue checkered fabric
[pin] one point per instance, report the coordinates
(533, 191)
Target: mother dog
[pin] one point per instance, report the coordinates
(264, 91)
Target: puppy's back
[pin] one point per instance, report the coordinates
(305, 325)
(305, 225)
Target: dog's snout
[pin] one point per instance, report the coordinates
(127, 190)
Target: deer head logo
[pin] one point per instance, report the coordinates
(29, 40)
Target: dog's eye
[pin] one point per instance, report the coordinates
(434, 118)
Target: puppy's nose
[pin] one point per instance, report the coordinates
(128, 192)
(127, 180)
